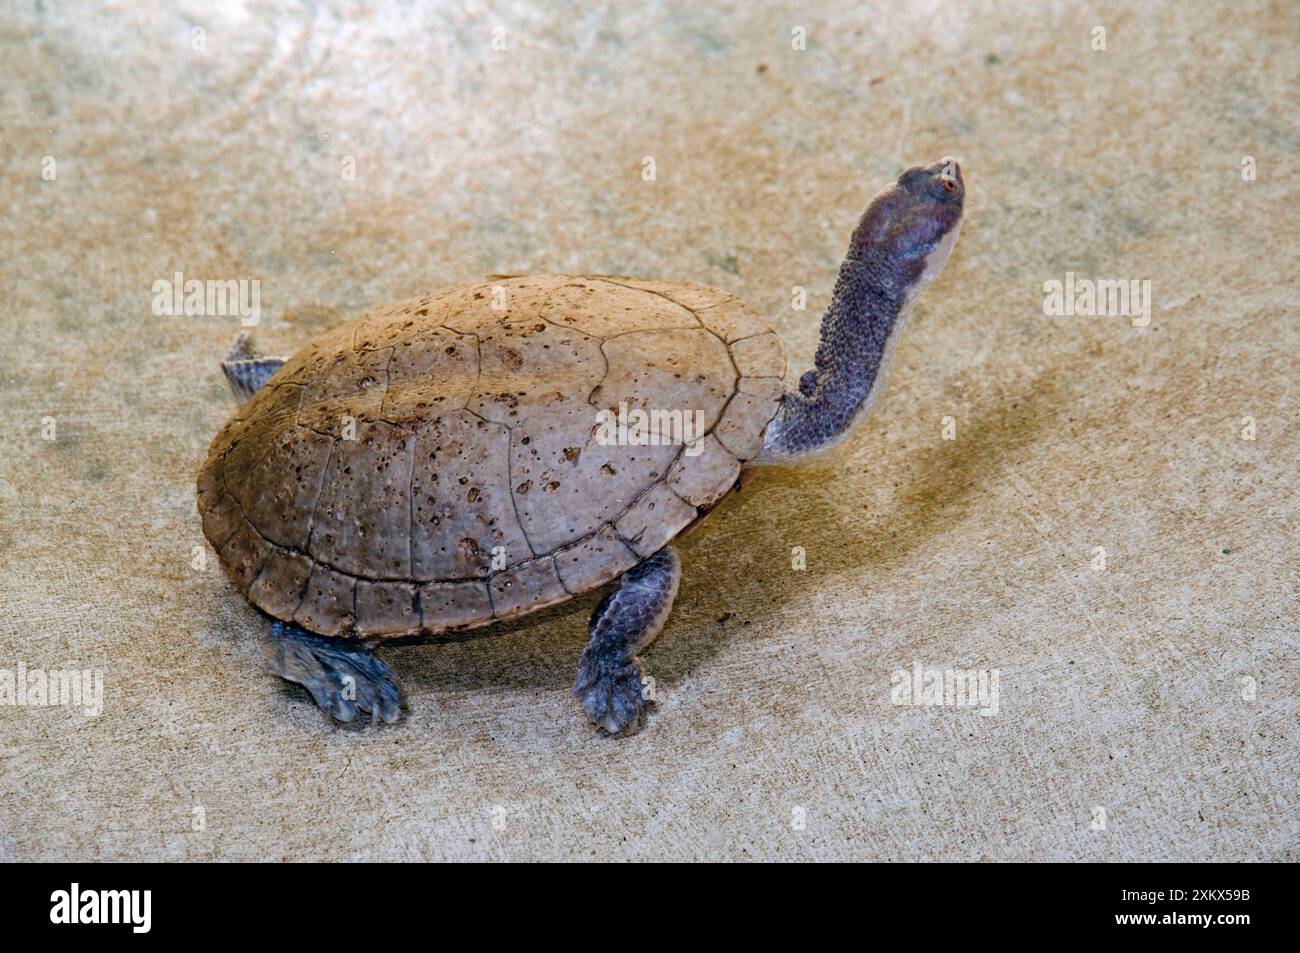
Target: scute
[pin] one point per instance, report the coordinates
(361, 522)
(566, 484)
(462, 510)
(439, 463)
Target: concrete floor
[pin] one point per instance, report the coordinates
(1148, 710)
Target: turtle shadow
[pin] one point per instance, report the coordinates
(742, 571)
(940, 481)
(737, 569)
(539, 652)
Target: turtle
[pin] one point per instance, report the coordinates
(488, 450)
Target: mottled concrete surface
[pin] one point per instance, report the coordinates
(1126, 690)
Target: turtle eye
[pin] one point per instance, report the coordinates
(949, 184)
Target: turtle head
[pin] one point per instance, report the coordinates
(901, 243)
(910, 227)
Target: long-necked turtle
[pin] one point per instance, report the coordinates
(480, 453)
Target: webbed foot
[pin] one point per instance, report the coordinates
(613, 699)
(343, 676)
(246, 371)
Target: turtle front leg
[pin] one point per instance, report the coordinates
(626, 621)
(342, 676)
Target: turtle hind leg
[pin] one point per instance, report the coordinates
(245, 370)
(342, 676)
(627, 620)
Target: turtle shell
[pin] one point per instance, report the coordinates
(444, 462)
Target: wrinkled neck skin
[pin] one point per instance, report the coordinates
(869, 307)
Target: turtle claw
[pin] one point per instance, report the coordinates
(613, 699)
(342, 678)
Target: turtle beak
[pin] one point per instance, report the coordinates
(949, 167)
